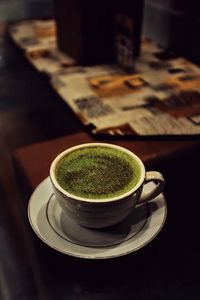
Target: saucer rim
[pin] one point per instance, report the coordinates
(89, 256)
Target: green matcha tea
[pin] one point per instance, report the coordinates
(97, 172)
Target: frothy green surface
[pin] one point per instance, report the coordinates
(97, 172)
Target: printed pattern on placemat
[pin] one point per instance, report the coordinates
(160, 97)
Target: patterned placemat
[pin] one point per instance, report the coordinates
(160, 97)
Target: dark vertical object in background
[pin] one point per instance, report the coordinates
(84, 29)
(100, 31)
(128, 17)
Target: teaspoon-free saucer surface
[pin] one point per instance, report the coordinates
(64, 235)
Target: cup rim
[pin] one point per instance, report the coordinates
(95, 144)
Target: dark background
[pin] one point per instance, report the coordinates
(31, 112)
(174, 24)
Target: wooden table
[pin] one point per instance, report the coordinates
(164, 269)
(34, 161)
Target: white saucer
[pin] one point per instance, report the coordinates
(140, 227)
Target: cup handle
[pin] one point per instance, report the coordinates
(160, 183)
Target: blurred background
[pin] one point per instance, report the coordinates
(30, 112)
(20, 9)
(173, 24)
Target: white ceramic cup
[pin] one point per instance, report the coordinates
(100, 213)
